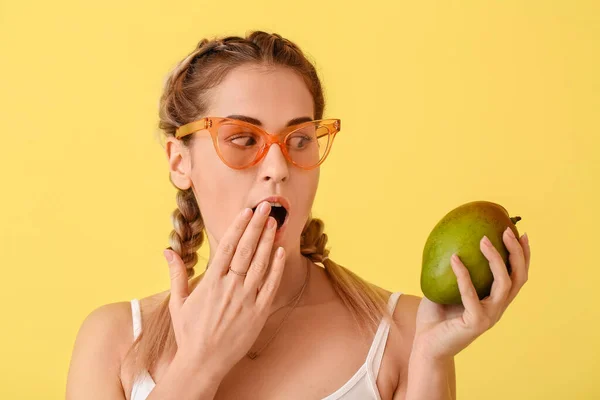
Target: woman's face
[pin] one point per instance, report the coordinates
(272, 97)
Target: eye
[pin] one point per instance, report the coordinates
(299, 141)
(237, 136)
(243, 140)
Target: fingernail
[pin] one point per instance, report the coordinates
(247, 213)
(454, 258)
(525, 238)
(486, 241)
(264, 207)
(279, 253)
(168, 255)
(510, 232)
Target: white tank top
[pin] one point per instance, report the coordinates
(362, 385)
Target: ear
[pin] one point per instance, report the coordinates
(178, 158)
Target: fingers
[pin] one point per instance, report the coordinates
(228, 245)
(518, 263)
(247, 244)
(524, 240)
(262, 258)
(502, 282)
(179, 280)
(469, 296)
(269, 288)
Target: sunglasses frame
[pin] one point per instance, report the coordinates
(212, 124)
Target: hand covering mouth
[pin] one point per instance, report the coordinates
(278, 212)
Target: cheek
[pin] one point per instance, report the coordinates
(306, 190)
(220, 196)
(312, 182)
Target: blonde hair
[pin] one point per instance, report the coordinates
(184, 98)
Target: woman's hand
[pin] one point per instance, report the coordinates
(220, 320)
(442, 331)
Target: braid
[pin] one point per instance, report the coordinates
(313, 241)
(187, 236)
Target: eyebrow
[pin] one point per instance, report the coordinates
(255, 121)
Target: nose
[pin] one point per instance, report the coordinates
(274, 165)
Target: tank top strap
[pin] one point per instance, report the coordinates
(136, 316)
(382, 335)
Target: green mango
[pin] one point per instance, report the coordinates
(460, 232)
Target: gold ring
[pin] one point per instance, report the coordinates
(238, 273)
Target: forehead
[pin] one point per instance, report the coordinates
(273, 95)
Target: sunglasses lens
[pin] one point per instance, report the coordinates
(308, 145)
(239, 145)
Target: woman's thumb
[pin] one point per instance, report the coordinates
(178, 274)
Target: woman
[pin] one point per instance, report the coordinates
(245, 138)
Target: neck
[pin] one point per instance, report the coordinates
(292, 280)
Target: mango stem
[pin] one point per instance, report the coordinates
(514, 220)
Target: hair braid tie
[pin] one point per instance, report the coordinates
(313, 241)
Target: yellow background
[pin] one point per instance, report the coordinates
(442, 103)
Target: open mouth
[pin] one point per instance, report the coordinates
(279, 213)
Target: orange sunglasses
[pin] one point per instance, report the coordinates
(240, 144)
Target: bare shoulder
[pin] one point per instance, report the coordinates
(405, 312)
(103, 328)
(402, 335)
(96, 358)
(104, 338)
(399, 344)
